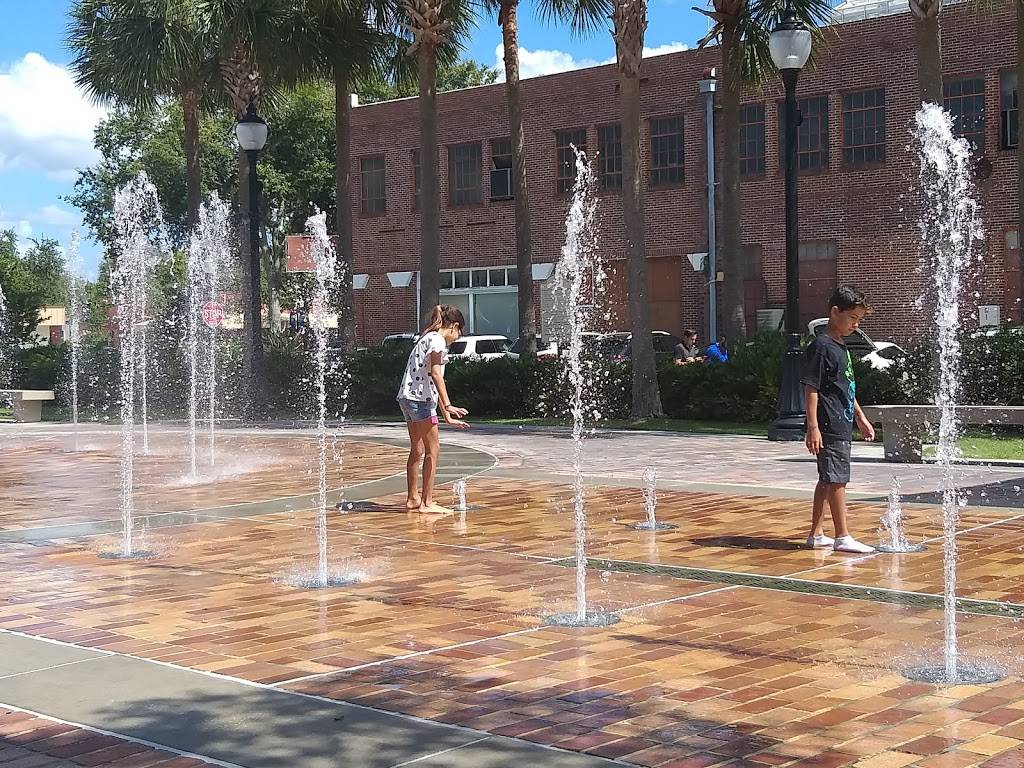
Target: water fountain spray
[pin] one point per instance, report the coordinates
(208, 253)
(578, 279)
(950, 226)
(73, 269)
(892, 524)
(141, 243)
(649, 479)
(325, 261)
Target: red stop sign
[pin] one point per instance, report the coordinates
(213, 314)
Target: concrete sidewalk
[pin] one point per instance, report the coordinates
(236, 723)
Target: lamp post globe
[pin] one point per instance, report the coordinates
(790, 47)
(252, 131)
(790, 42)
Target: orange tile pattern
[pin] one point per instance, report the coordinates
(64, 487)
(30, 740)
(446, 625)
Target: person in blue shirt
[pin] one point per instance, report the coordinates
(717, 352)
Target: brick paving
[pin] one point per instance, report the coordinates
(248, 469)
(31, 741)
(446, 624)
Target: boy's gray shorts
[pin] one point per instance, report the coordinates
(834, 462)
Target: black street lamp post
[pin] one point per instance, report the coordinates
(790, 46)
(251, 132)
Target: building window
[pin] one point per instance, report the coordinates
(488, 298)
(417, 179)
(752, 144)
(501, 169)
(464, 167)
(609, 156)
(666, 151)
(1009, 122)
(371, 172)
(811, 136)
(965, 101)
(565, 177)
(864, 127)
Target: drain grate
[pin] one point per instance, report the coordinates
(801, 586)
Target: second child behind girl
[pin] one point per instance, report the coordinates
(420, 396)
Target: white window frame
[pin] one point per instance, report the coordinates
(472, 291)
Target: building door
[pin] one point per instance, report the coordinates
(818, 276)
(664, 292)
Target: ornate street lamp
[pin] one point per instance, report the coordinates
(251, 132)
(790, 46)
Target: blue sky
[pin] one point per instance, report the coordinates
(46, 126)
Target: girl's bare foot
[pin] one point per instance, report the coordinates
(436, 509)
(412, 505)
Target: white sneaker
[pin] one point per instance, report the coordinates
(820, 542)
(850, 544)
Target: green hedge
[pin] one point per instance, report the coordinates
(744, 390)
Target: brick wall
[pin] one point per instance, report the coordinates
(870, 214)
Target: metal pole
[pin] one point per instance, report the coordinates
(789, 77)
(791, 423)
(255, 304)
(712, 236)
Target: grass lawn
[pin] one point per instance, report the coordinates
(985, 445)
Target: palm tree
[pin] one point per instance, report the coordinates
(347, 43)
(134, 52)
(742, 28)
(246, 32)
(630, 23)
(582, 16)
(929, 49)
(437, 28)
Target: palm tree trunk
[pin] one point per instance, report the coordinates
(343, 198)
(734, 324)
(430, 196)
(524, 253)
(630, 21)
(190, 144)
(929, 55)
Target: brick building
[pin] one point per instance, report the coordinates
(858, 199)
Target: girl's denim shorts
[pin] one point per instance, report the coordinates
(418, 410)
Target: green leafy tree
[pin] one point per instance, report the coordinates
(30, 279)
(133, 140)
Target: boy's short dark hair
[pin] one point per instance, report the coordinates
(846, 297)
(688, 333)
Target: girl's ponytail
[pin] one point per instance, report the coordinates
(435, 320)
(445, 316)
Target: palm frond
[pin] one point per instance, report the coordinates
(584, 17)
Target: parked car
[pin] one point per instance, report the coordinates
(878, 354)
(549, 349)
(481, 348)
(399, 343)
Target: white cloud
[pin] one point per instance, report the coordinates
(46, 122)
(56, 216)
(661, 50)
(541, 62)
(548, 62)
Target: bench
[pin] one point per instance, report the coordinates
(28, 403)
(904, 426)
